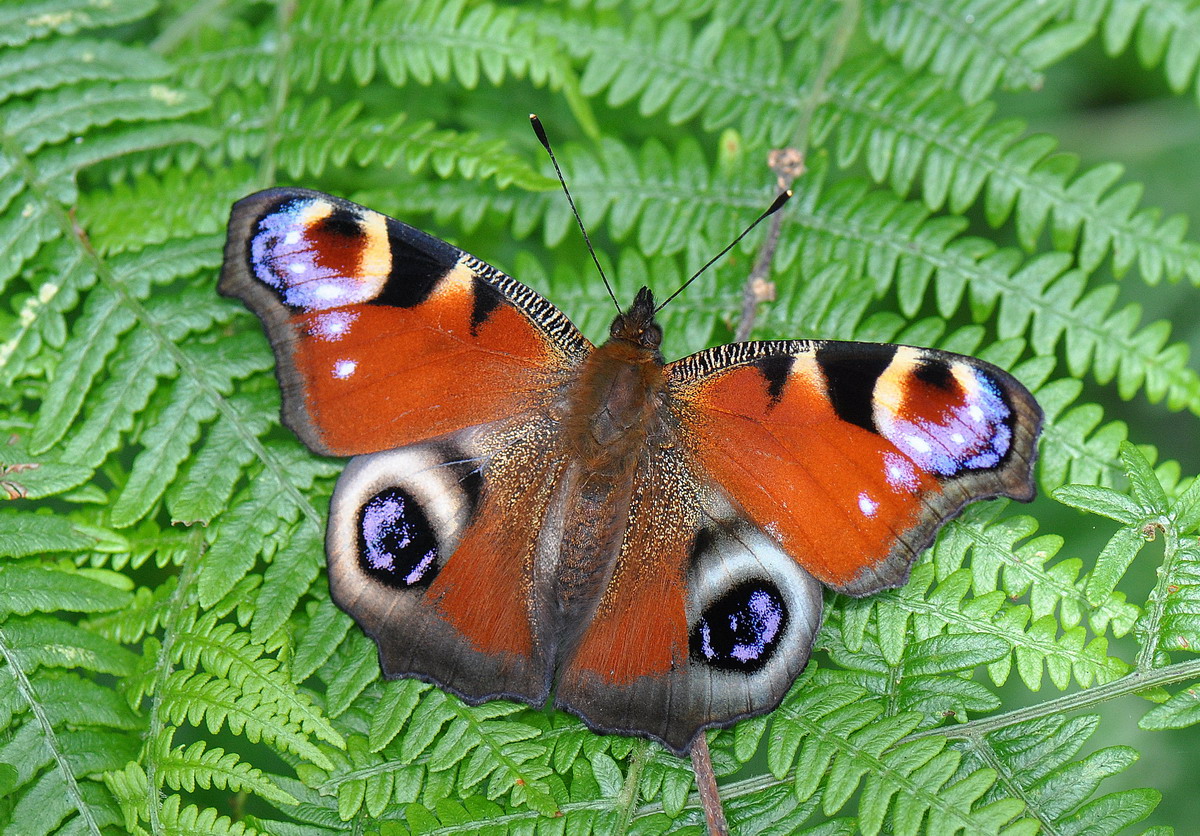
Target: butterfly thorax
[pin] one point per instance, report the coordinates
(617, 395)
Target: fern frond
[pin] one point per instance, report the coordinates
(38, 641)
(272, 502)
(186, 767)
(1029, 634)
(202, 699)
(977, 46)
(1172, 613)
(904, 126)
(139, 404)
(54, 744)
(744, 80)
(110, 311)
(229, 654)
(1036, 760)
(42, 18)
(1167, 34)
(177, 819)
(30, 586)
(839, 738)
(141, 616)
(422, 42)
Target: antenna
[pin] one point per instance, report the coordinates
(541, 135)
(775, 206)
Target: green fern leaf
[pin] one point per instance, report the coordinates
(186, 767)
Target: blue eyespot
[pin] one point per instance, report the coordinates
(741, 630)
(396, 543)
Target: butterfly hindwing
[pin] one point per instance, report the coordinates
(704, 619)
(852, 455)
(434, 549)
(384, 335)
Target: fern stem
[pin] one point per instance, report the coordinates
(706, 785)
(628, 798)
(988, 755)
(1129, 684)
(25, 687)
(177, 604)
(193, 18)
(1151, 622)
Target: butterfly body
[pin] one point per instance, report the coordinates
(529, 515)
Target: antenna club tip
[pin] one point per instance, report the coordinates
(539, 130)
(780, 199)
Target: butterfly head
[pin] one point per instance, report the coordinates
(636, 325)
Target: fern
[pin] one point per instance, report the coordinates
(170, 661)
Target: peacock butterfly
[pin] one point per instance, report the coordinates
(527, 511)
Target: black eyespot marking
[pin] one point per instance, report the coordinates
(341, 222)
(741, 630)
(419, 261)
(936, 373)
(486, 300)
(850, 377)
(396, 543)
(775, 369)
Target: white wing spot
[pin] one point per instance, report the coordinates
(342, 369)
(867, 505)
(917, 443)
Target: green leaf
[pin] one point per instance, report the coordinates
(1103, 501)
(26, 534)
(1146, 488)
(1114, 559)
(1180, 711)
(27, 587)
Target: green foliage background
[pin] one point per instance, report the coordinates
(171, 660)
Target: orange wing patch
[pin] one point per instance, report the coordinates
(376, 377)
(836, 496)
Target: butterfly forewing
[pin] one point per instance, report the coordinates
(383, 335)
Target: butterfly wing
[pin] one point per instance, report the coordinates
(435, 548)
(387, 339)
(852, 455)
(383, 335)
(790, 464)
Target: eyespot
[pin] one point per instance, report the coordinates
(396, 542)
(741, 630)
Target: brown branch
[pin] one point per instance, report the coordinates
(788, 164)
(706, 784)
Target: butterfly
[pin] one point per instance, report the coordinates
(528, 515)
